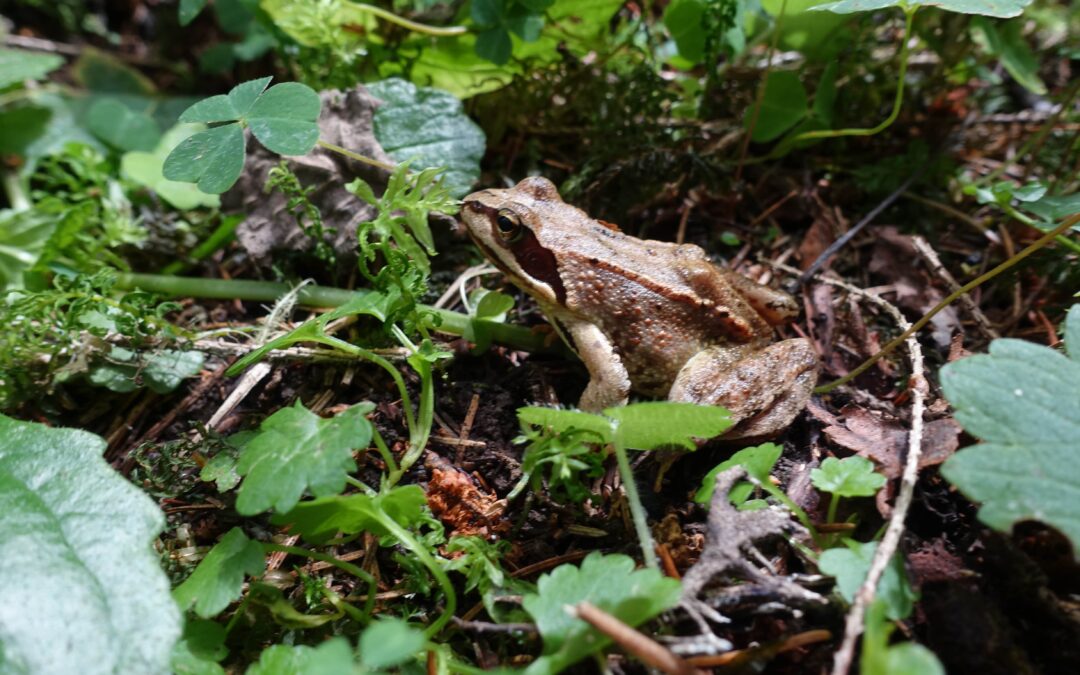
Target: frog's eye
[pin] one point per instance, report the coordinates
(509, 226)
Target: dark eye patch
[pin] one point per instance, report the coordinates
(538, 262)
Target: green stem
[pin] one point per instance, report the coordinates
(453, 323)
(637, 511)
(834, 502)
(16, 196)
(384, 452)
(782, 497)
(427, 560)
(909, 14)
(342, 565)
(355, 155)
(221, 236)
(974, 283)
(1061, 239)
(437, 31)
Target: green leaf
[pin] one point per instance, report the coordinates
(848, 477)
(493, 306)
(1023, 401)
(121, 127)
(684, 19)
(331, 657)
(20, 126)
(145, 168)
(213, 159)
(189, 9)
(1053, 209)
(609, 582)
(17, 65)
(850, 566)
(1002, 9)
(430, 127)
(880, 658)
(219, 578)
(23, 235)
(166, 369)
(83, 590)
(296, 450)
(783, 106)
(388, 643)
(758, 461)
(200, 649)
(654, 424)
(318, 520)
(284, 118)
(1009, 46)
(560, 421)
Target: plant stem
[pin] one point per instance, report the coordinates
(427, 560)
(453, 323)
(384, 452)
(437, 31)
(974, 283)
(834, 502)
(909, 16)
(355, 155)
(342, 565)
(16, 196)
(1020, 217)
(637, 511)
(221, 235)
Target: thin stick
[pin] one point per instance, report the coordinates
(649, 651)
(929, 255)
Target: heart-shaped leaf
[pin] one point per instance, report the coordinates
(212, 159)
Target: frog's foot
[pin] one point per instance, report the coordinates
(764, 390)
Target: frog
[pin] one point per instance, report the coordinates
(653, 318)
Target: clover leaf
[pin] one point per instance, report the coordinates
(219, 578)
(608, 581)
(848, 477)
(296, 450)
(283, 118)
(1023, 401)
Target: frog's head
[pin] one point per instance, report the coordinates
(522, 231)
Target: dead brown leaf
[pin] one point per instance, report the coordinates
(463, 507)
(884, 440)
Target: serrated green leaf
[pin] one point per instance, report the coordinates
(430, 127)
(758, 461)
(200, 649)
(564, 420)
(389, 642)
(78, 567)
(1072, 333)
(1023, 401)
(783, 105)
(331, 657)
(638, 596)
(17, 65)
(145, 168)
(219, 578)
(318, 520)
(848, 477)
(1002, 9)
(213, 159)
(121, 127)
(189, 9)
(654, 424)
(849, 566)
(296, 450)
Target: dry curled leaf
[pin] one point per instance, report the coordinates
(462, 506)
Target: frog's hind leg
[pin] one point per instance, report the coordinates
(763, 388)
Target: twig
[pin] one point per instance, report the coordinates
(866, 220)
(930, 257)
(649, 651)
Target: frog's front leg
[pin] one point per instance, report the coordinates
(763, 388)
(609, 383)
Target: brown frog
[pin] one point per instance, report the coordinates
(647, 316)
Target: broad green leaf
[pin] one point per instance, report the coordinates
(848, 477)
(564, 420)
(145, 168)
(102, 73)
(850, 565)
(1002, 9)
(389, 642)
(17, 65)
(219, 578)
(783, 105)
(296, 450)
(818, 35)
(200, 649)
(189, 9)
(654, 424)
(166, 369)
(121, 127)
(684, 19)
(880, 658)
(330, 658)
(493, 306)
(758, 461)
(1023, 401)
(318, 520)
(213, 159)
(284, 118)
(430, 127)
(452, 64)
(20, 126)
(609, 582)
(1006, 42)
(495, 45)
(1054, 208)
(83, 589)
(227, 107)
